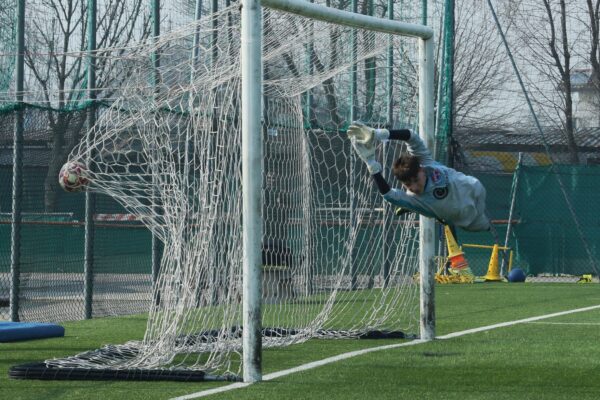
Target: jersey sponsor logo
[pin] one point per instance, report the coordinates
(440, 192)
(436, 175)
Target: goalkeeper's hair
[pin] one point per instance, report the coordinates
(406, 168)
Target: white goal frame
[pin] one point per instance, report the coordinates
(251, 105)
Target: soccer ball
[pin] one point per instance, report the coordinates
(73, 176)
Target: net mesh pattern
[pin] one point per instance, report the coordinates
(168, 149)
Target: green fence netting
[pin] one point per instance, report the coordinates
(550, 239)
(545, 236)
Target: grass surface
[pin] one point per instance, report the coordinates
(550, 359)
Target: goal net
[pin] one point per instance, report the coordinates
(337, 261)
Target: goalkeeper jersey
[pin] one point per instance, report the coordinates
(449, 195)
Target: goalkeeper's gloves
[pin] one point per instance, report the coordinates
(373, 166)
(365, 135)
(367, 154)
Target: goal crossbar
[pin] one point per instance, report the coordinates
(323, 13)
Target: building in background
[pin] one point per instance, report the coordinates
(586, 99)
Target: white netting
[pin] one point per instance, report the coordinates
(337, 263)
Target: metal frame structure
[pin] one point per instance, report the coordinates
(251, 66)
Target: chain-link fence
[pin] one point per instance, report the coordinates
(51, 268)
(553, 224)
(542, 202)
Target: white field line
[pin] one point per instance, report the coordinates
(565, 323)
(518, 321)
(351, 354)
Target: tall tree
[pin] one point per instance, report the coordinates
(593, 14)
(55, 56)
(547, 39)
(481, 70)
(562, 60)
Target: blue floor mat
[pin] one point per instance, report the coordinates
(14, 331)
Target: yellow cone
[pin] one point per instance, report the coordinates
(455, 255)
(493, 273)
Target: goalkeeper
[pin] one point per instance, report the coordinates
(432, 189)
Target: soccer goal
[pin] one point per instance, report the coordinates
(233, 152)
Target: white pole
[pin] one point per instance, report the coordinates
(323, 13)
(426, 225)
(510, 212)
(251, 67)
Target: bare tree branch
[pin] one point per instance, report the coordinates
(59, 72)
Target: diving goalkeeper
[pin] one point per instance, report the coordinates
(432, 189)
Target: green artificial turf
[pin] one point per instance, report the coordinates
(548, 359)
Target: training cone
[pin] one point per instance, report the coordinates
(455, 255)
(493, 273)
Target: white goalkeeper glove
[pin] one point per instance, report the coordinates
(367, 154)
(365, 135)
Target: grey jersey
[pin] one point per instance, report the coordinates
(449, 195)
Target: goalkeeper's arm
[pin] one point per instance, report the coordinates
(381, 183)
(393, 134)
(382, 135)
(415, 144)
(364, 135)
(398, 197)
(365, 149)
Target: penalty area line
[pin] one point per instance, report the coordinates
(344, 356)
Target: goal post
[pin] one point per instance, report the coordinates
(251, 149)
(251, 71)
(427, 225)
